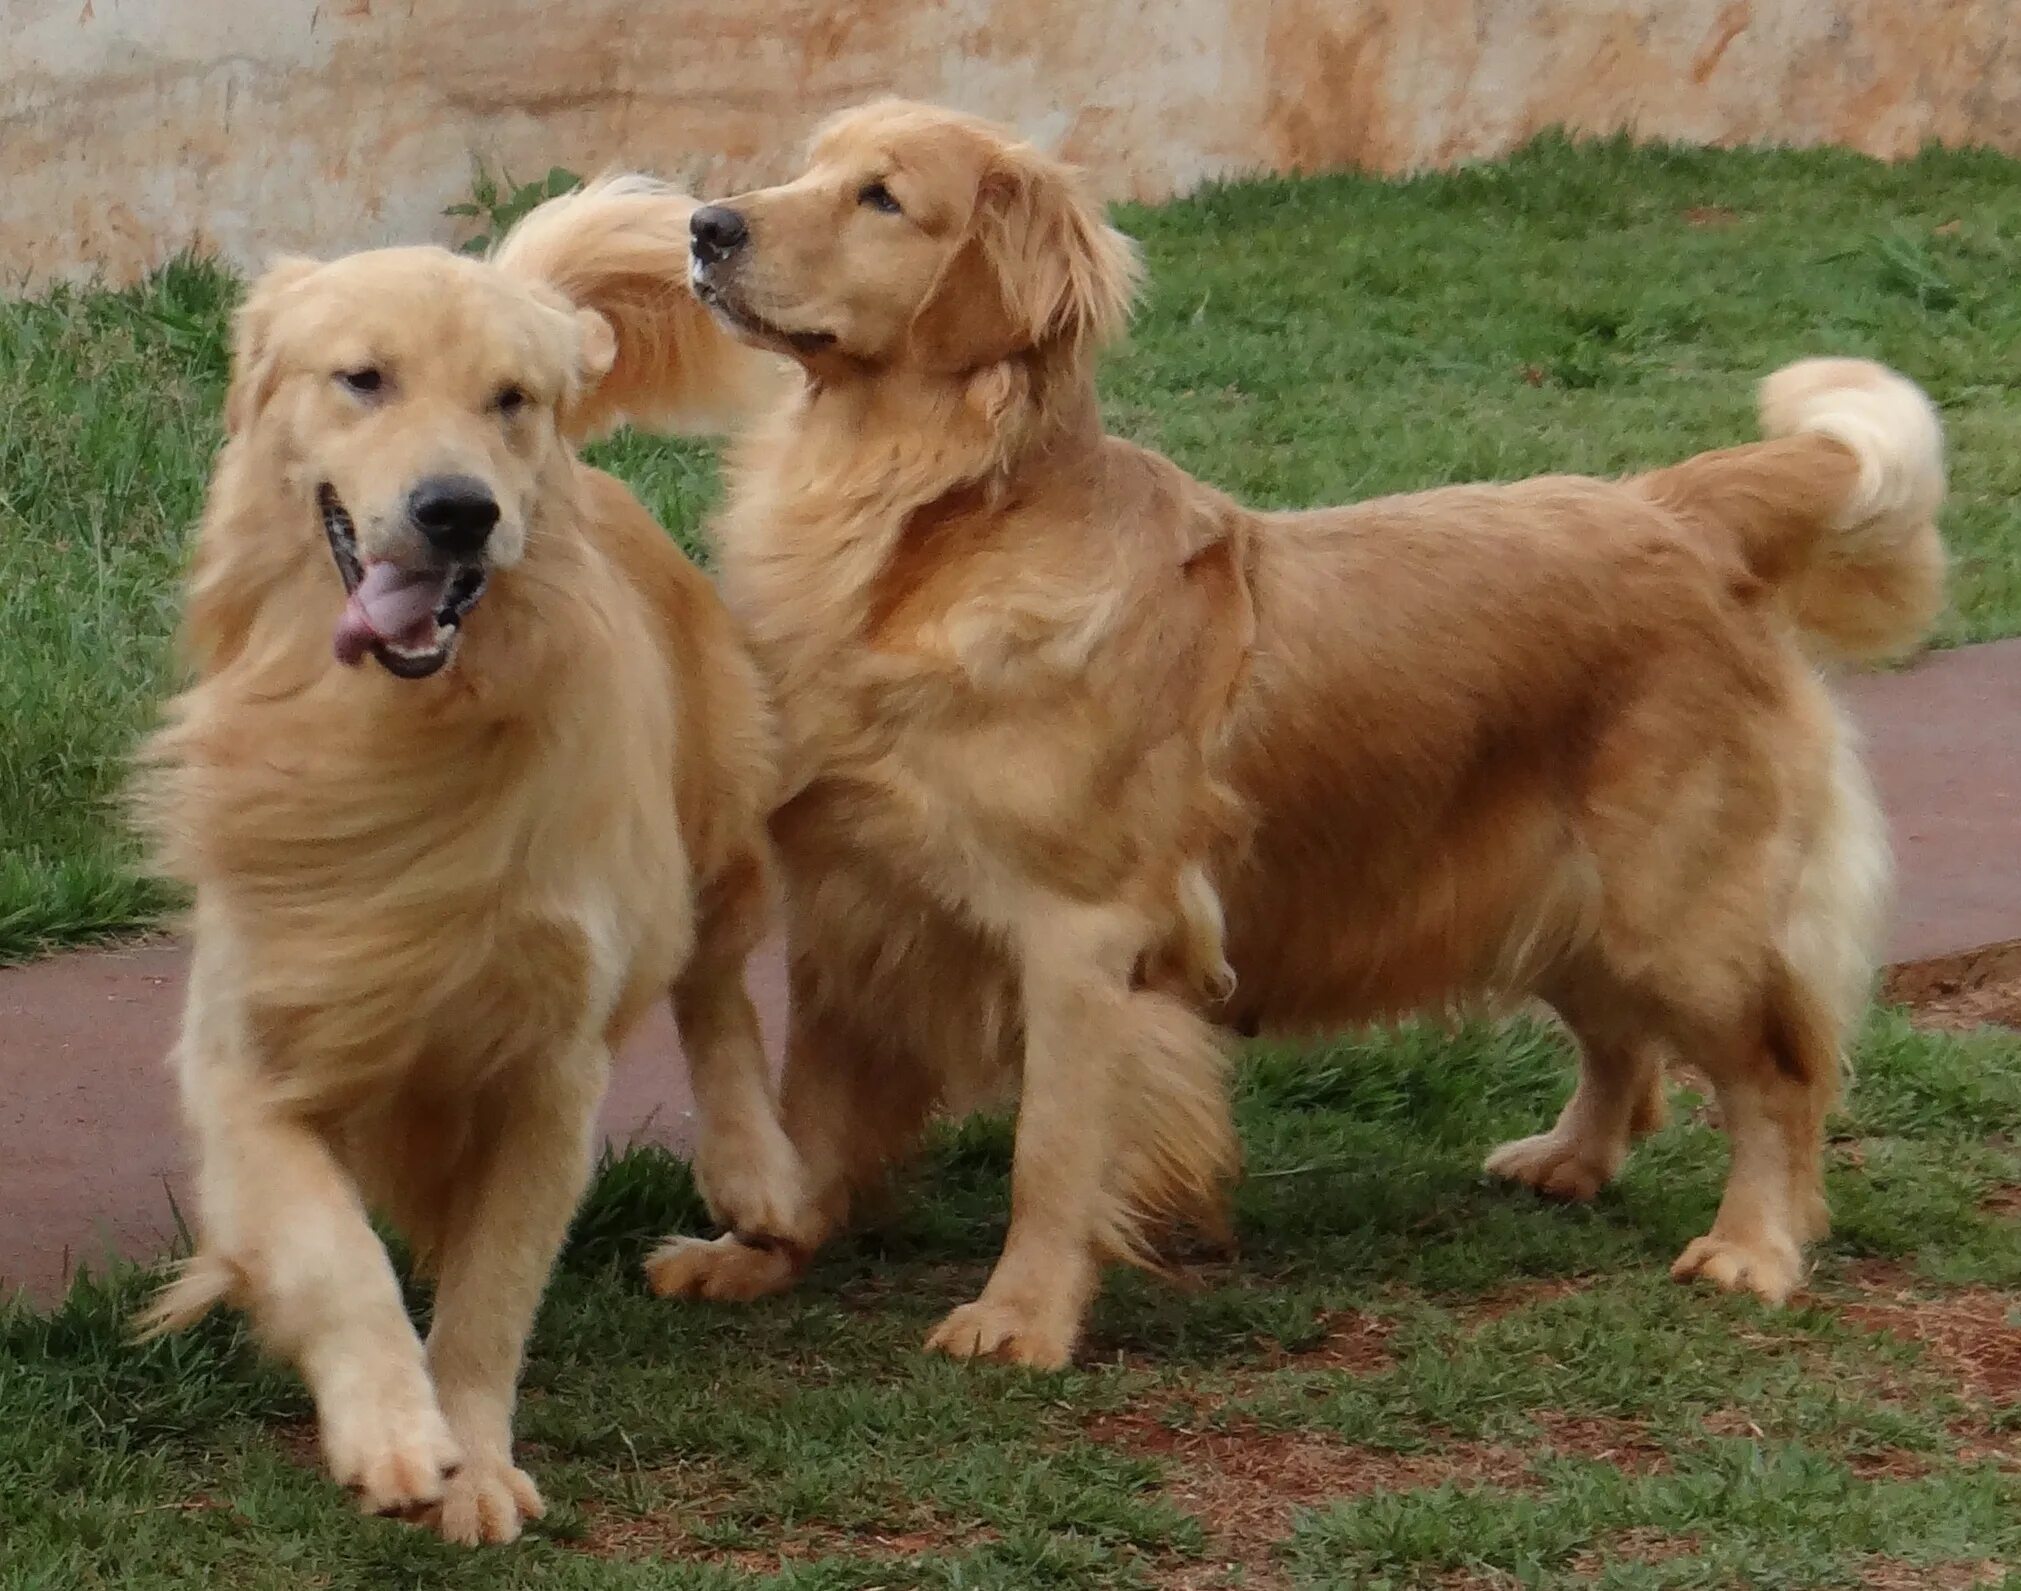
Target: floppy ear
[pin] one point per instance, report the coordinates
(1064, 272)
(596, 349)
(252, 341)
(1038, 269)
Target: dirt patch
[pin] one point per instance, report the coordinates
(1517, 1297)
(1603, 1439)
(669, 1530)
(1994, 1005)
(1711, 215)
(1956, 994)
(1967, 1335)
(1893, 1574)
(1640, 1544)
(1245, 1484)
(2003, 1203)
(1355, 1342)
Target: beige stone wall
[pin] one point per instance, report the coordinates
(129, 128)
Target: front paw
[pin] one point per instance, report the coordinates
(485, 1503)
(1768, 1267)
(724, 1270)
(1555, 1165)
(754, 1185)
(1013, 1333)
(389, 1446)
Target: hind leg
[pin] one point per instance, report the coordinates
(1619, 1098)
(1773, 1092)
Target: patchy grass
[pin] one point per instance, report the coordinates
(1411, 1378)
(1598, 308)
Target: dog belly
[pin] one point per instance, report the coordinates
(1331, 936)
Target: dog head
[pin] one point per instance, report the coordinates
(406, 404)
(917, 239)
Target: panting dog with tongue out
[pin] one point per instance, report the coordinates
(472, 770)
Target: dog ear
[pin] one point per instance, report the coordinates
(596, 348)
(1039, 268)
(252, 342)
(1065, 274)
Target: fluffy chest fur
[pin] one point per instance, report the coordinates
(436, 880)
(973, 670)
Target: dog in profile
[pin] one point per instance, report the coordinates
(473, 769)
(1083, 760)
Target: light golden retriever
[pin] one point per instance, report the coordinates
(473, 769)
(1082, 759)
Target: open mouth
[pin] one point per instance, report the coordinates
(406, 618)
(743, 323)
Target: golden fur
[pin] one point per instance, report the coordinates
(427, 910)
(1082, 758)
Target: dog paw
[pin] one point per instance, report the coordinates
(1555, 1167)
(394, 1451)
(753, 1184)
(1769, 1269)
(1009, 1333)
(724, 1270)
(485, 1503)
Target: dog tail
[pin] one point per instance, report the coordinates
(1838, 510)
(620, 247)
(1177, 1154)
(200, 1284)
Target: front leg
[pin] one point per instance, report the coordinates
(518, 1196)
(745, 1165)
(284, 1234)
(1081, 1023)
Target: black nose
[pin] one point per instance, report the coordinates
(718, 232)
(455, 512)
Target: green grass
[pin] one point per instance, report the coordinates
(1543, 1406)
(1599, 307)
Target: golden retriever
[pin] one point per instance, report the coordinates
(473, 769)
(1081, 759)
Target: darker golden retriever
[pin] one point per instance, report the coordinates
(473, 769)
(1083, 761)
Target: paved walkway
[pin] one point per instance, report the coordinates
(90, 1149)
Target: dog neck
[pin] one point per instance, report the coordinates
(881, 442)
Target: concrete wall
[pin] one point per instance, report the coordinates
(129, 128)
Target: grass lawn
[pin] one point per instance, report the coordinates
(1596, 308)
(1409, 1378)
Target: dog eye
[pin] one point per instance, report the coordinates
(878, 197)
(510, 401)
(365, 380)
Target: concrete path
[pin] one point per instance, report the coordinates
(90, 1149)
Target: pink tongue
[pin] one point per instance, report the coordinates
(390, 604)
